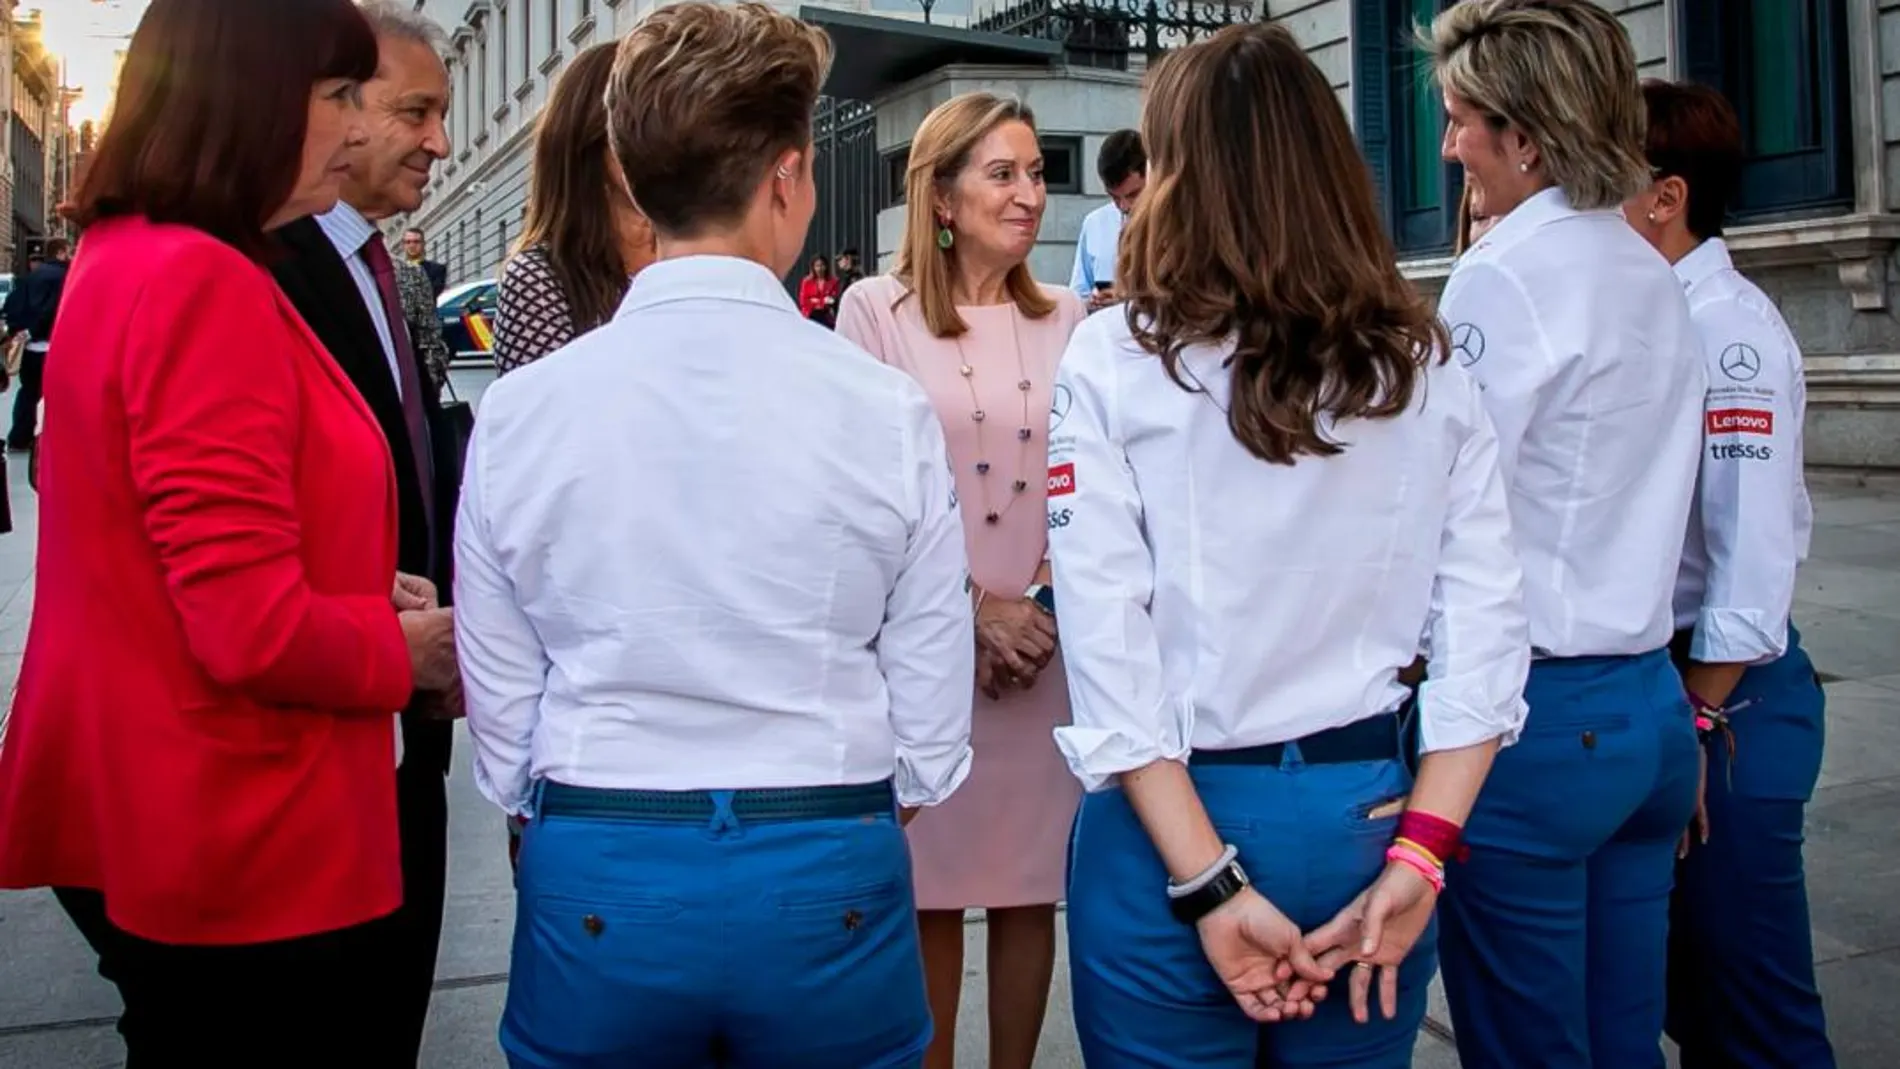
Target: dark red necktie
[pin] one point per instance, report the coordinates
(407, 380)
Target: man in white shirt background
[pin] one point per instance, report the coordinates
(1123, 167)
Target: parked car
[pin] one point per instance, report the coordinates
(467, 312)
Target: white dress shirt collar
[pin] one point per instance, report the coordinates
(729, 278)
(1704, 262)
(1527, 218)
(346, 228)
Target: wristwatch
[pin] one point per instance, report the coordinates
(1043, 595)
(1210, 896)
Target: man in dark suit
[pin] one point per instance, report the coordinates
(414, 249)
(39, 294)
(339, 274)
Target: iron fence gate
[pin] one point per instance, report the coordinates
(845, 166)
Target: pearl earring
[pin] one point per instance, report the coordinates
(1652, 217)
(1523, 168)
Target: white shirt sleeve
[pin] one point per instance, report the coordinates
(927, 647)
(1123, 718)
(504, 665)
(1080, 279)
(1478, 634)
(1747, 489)
(1497, 336)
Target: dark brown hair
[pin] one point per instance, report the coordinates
(572, 193)
(213, 105)
(1695, 136)
(1237, 240)
(704, 97)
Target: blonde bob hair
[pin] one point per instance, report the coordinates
(1563, 73)
(938, 154)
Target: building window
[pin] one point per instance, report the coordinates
(1062, 164)
(1400, 121)
(481, 78)
(554, 26)
(501, 239)
(1783, 64)
(895, 163)
(501, 51)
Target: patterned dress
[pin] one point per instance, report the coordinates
(532, 317)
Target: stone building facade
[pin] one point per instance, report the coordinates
(1817, 83)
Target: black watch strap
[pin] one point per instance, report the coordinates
(1191, 907)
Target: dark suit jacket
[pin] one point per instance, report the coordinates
(313, 276)
(438, 275)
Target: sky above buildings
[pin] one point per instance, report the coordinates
(88, 34)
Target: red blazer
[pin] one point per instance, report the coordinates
(203, 725)
(818, 295)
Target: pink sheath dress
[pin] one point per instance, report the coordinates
(1002, 838)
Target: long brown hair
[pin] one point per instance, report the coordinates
(1236, 239)
(938, 154)
(574, 197)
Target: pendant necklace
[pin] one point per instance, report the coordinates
(991, 514)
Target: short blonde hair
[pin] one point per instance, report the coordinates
(939, 152)
(703, 98)
(1561, 71)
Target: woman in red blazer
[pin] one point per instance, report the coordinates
(818, 293)
(201, 752)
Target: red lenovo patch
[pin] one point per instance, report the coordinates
(1741, 421)
(1062, 480)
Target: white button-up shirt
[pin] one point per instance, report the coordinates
(1211, 600)
(1752, 518)
(712, 545)
(1096, 248)
(1579, 334)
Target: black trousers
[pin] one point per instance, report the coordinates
(422, 814)
(357, 997)
(310, 1002)
(26, 401)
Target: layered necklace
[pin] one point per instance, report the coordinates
(991, 514)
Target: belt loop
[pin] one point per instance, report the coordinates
(724, 820)
(1290, 759)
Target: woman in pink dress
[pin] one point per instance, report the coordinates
(963, 315)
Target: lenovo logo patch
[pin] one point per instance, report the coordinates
(1741, 421)
(1062, 480)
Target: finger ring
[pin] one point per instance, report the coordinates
(1362, 965)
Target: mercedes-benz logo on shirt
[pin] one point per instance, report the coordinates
(1741, 362)
(1059, 401)
(1467, 343)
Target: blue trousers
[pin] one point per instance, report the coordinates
(1144, 993)
(1741, 955)
(775, 945)
(1555, 928)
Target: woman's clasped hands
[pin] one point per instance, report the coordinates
(1014, 641)
(1277, 974)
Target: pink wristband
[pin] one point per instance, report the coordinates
(1419, 863)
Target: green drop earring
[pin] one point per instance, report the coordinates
(945, 238)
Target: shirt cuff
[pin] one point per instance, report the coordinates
(1454, 714)
(1737, 636)
(928, 781)
(1098, 755)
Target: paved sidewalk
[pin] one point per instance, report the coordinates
(55, 1013)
